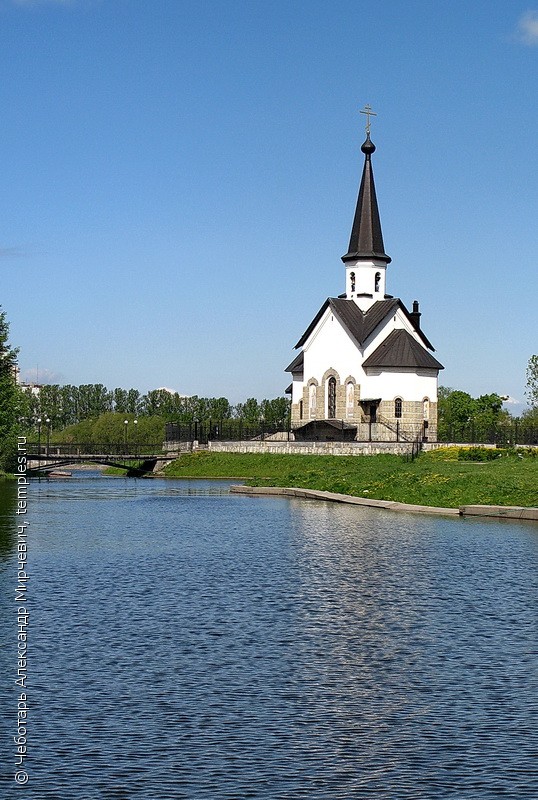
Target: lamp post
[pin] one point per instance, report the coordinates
(135, 423)
(469, 429)
(125, 424)
(38, 439)
(48, 435)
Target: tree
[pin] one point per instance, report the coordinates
(276, 412)
(134, 401)
(154, 402)
(249, 411)
(10, 398)
(68, 405)
(530, 417)
(110, 429)
(531, 392)
(219, 408)
(50, 403)
(488, 414)
(120, 400)
(455, 411)
(461, 416)
(29, 409)
(93, 399)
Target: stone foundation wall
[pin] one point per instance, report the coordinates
(312, 448)
(296, 418)
(179, 447)
(320, 407)
(410, 423)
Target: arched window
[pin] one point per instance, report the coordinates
(352, 280)
(350, 399)
(377, 281)
(331, 398)
(312, 400)
(398, 408)
(426, 404)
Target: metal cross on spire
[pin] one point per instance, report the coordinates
(369, 113)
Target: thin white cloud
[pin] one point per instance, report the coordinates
(40, 375)
(527, 28)
(511, 401)
(170, 391)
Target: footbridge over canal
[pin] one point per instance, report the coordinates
(48, 459)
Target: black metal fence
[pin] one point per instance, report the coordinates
(229, 430)
(234, 430)
(237, 430)
(501, 435)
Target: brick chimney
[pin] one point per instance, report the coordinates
(415, 315)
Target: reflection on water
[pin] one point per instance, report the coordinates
(8, 525)
(194, 645)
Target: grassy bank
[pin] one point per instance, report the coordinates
(434, 479)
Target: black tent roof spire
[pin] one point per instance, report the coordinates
(366, 240)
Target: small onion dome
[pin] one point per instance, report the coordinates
(368, 147)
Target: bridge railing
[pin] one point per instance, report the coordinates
(64, 449)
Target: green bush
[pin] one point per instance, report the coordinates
(478, 454)
(523, 452)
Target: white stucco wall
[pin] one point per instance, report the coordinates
(407, 384)
(297, 391)
(364, 282)
(331, 347)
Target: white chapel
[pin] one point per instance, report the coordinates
(364, 360)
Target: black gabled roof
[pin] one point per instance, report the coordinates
(400, 349)
(297, 364)
(377, 313)
(366, 237)
(359, 324)
(350, 316)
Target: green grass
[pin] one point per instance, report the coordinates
(433, 479)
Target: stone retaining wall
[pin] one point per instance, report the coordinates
(291, 447)
(171, 448)
(311, 448)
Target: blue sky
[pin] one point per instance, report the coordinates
(180, 177)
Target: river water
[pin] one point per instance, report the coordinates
(189, 644)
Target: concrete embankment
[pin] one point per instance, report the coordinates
(510, 512)
(506, 512)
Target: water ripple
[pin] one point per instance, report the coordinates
(229, 648)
